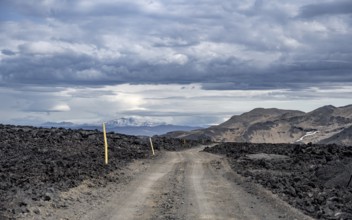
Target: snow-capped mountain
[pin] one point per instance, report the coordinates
(130, 126)
(64, 124)
(132, 122)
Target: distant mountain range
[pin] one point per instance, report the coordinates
(133, 122)
(130, 126)
(328, 124)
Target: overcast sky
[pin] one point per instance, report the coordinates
(188, 62)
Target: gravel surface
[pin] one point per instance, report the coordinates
(188, 184)
(312, 178)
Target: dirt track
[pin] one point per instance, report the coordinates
(189, 185)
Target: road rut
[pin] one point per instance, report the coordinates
(192, 184)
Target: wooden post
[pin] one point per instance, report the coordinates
(151, 145)
(105, 144)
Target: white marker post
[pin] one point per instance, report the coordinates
(106, 144)
(151, 145)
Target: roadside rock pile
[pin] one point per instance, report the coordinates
(313, 178)
(173, 144)
(36, 164)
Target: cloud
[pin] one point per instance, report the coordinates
(71, 53)
(256, 44)
(8, 52)
(326, 8)
(60, 108)
(47, 106)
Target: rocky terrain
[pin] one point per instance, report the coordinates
(342, 138)
(37, 164)
(327, 124)
(313, 178)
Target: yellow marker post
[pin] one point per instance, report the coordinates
(106, 144)
(184, 141)
(151, 145)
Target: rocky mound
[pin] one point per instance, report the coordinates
(175, 144)
(36, 164)
(342, 138)
(313, 178)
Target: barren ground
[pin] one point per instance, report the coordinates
(188, 184)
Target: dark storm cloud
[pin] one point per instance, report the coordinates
(224, 46)
(8, 52)
(327, 8)
(68, 69)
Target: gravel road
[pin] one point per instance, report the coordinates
(190, 184)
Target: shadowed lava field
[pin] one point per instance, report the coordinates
(37, 164)
(313, 178)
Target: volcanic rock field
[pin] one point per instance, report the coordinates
(313, 178)
(36, 164)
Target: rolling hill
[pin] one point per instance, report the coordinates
(328, 124)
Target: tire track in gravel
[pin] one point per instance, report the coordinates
(192, 185)
(137, 200)
(170, 200)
